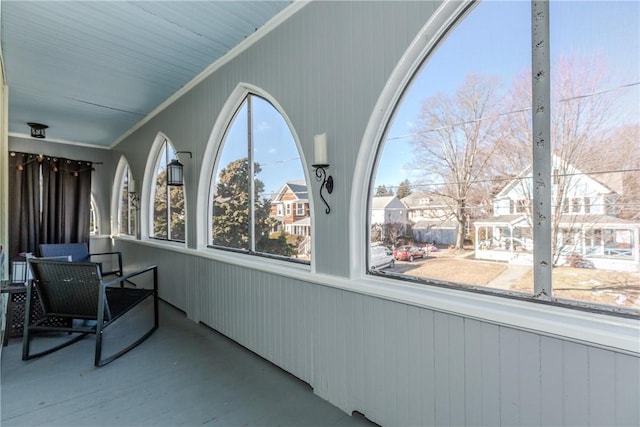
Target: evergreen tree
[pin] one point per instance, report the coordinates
(231, 211)
(161, 214)
(383, 191)
(404, 189)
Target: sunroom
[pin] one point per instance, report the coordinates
(346, 98)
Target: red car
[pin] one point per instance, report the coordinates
(408, 253)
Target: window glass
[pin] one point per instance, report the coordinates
(447, 181)
(93, 221)
(595, 132)
(454, 173)
(258, 171)
(168, 201)
(127, 209)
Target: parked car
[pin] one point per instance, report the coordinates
(408, 253)
(430, 247)
(381, 257)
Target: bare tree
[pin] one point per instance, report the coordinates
(580, 123)
(454, 140)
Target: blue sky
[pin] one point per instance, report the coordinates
(494, 39)
(273, 145)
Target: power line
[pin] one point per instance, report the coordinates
(509, 178)
(521, 110)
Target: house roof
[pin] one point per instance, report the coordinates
(502, 220)
(426, 224)
(602, 179)
(305, 222)
(297, 187)
(383, 202)
(565, 221)
(414, 200)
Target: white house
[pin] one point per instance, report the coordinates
(584, 220)
(431, 217)
(388, 217)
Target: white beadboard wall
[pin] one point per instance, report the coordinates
(398, 364)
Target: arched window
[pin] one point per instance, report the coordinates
(126, 203)
(259, 199)
(453, 190)
(167, 201)
(123, 202)
(94, 221)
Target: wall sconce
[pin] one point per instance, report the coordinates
(134, 198)
(37, 130)
(175, 175)
(321, 165)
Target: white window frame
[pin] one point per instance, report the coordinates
(574, 325)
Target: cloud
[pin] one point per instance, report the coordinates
(262, 126)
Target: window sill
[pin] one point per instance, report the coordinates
(600, 330)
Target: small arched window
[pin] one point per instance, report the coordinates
(127, 210)
(167, 201)
(94, 221)
(259, 201)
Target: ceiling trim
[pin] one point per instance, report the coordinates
(234, 52)
(57, 141)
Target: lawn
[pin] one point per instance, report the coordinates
(616, 288)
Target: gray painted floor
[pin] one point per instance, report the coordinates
(184, 375)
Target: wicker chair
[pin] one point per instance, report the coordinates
(77, 291)
(79, 252)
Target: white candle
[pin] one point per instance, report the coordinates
(132, 186)
(320, 149)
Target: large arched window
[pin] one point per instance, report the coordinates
(259, 198)
(167, 201)
(453, 192)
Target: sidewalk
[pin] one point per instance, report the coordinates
(505, 279)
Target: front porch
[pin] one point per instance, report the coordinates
(184, 374)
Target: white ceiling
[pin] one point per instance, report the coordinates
(91, 70)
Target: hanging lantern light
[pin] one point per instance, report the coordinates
(175, 173)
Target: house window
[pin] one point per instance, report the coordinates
(299, 209)
(168, 201)
(521, 206)
(127, 211)
(463, 130)
(258, 157)
(576, 205)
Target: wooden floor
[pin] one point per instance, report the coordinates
(185, 374)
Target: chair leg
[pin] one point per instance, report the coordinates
(99, 361)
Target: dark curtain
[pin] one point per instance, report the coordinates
(56, 209)
(66, 201)
(24, 203)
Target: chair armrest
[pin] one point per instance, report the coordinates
(117, 271)
(122, 279)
